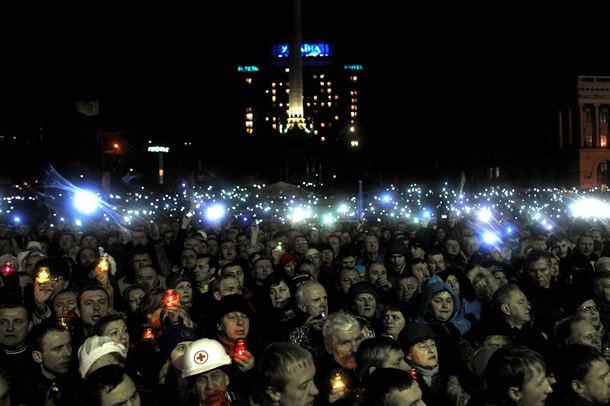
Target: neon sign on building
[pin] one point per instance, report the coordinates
(307, 50)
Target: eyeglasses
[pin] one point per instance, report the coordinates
(588, 308)
(56, 279)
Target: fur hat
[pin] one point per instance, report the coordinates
(175, 278)
(359, 288)
(173, 336)
(232, 303)
(93, 348)
(414, 333)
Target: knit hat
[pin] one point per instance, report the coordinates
(287, 257)
(481, 357)
(93, 348)
(359, 288)
(232, 303)
(173, 336)
(311, 251)
(414, 333)
(175, 278)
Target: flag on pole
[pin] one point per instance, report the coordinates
(360, 207)
(88, 108)
(462, 181)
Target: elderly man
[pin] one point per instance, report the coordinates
(205, 366)
(336, 370)
(312, 301)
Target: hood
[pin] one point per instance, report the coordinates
(435, 285)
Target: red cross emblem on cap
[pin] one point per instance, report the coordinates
(201, 357)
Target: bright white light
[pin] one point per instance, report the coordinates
(490, 237)
(328, 219)
(590, 208)
(485, 215)
(298, 215)
(86, 202)
(214, 213)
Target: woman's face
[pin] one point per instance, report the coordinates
(280, 295)
(453, 283)
(176, 357)
(393, 322)
(117, 330)
(442, 306)
(185, 290)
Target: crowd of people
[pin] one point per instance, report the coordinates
(374, 313)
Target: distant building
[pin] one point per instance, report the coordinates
(556, 137)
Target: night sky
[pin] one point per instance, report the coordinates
(440, 66)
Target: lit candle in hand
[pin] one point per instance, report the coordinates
(43, 275)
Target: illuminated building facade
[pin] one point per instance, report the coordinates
(557, 137)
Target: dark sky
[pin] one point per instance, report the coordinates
(153, 64)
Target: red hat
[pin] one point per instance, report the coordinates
(287, 257)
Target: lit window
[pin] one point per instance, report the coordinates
(603, 117)
(603, 140)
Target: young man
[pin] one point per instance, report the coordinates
(516, 375)
(285, 376)
(582, 377)
(392, 387)
(110, 385)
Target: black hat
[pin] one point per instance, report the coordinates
(232, 303)
(575, 301)
(361, 287)
(173, 336)
(397, 247)
(414, 333)
(175, 278)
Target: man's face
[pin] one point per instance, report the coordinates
(436, 263)
(315, 301)
(348, 277)
(211, 388)
(585, 245)
(14, 327)
(535, 391)
(346, 344)
(64, 302)
(202, 271)
(300, 389)
(134, 297)
(237, 271)
(377, 273)
(228, 286)
(188, 258)
(406, 288)
(452, 247)
(561, 248)
(421, 272)
(584, 333)
(540, 273)
(228, 250)
(55, 354)
(596, 383)
(262, 268)
(139, 238)
(398, 261)
(326, 257)
(442, 306)
(395, 359)
(588, 311)
(89, 241)
(300, 245)
(198, 245)
(140, 261)
(410, 396)
(393, 322)
(125, 393)
(93, 306)
(147, 276)
(519, 308)
(365, 305)
(234, 325)
(371, 244)
(212, 246)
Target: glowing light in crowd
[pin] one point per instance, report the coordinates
(590, 208)
(215, 212)
(86, 202)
